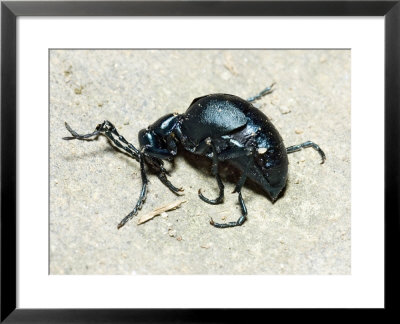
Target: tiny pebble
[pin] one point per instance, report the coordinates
(78, 91)
(284, 110)
(172, 232)
(274, 102)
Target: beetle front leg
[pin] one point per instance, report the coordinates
(154, 160)
(214, 170)
(307, 144)
(163, 178)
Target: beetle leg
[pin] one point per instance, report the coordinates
(266, 91)
(158, 153)
(241, 219)
(307, 144)
(142, 196)
(238, 189)
(214, 171)
(163, 178)
(162, 173)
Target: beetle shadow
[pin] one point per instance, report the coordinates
(227, 172)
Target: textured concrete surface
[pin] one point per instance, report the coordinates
(93, 186)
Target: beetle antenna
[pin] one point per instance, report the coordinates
(108, 130)
(142, 196)
(75, 135)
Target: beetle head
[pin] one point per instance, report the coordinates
(158, 139)
(156, 145)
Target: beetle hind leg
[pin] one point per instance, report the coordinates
(263, 93)
(295, 148)
(241, 219)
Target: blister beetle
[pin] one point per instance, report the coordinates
(221, 127)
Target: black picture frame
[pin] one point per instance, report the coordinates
(11, 10)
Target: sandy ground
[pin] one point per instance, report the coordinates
(93, 186)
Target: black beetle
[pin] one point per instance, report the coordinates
(221, 127)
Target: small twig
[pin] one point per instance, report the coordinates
(160, 210)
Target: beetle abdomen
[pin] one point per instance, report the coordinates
(236, 128)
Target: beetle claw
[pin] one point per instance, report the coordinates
(216, 201)
(323, 158)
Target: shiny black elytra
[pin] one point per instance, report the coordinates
(221, 127)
